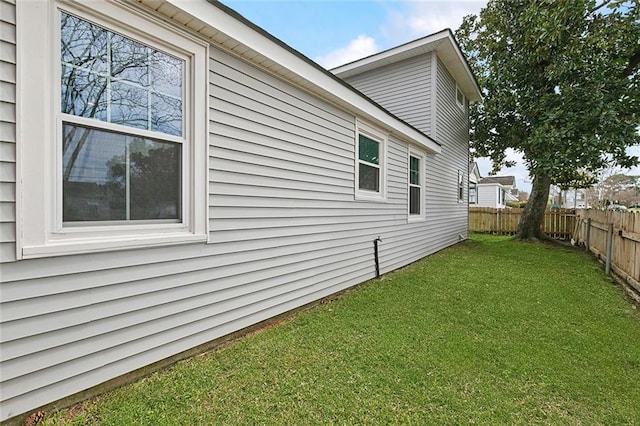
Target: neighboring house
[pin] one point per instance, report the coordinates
(172, 174)
(474, 178)
(575, 199)
(495, 191)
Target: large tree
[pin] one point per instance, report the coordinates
(561, 85)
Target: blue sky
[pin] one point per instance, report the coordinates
(334, 32)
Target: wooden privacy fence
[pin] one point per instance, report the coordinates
(558, 223)
(614, 237)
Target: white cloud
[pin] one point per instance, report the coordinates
(404, 21)
(358, 48)
(424, 20)
(409, 20)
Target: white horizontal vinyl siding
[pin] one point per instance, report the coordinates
(278, 187)
(285, 230)
(411, 240)
(402, 88)
(452, 131)
(7, 131)
(488, 195)
(407, 90)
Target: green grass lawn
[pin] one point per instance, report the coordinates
(490, 331)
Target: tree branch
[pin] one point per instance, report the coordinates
(600, 6)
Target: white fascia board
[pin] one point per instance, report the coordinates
(355, 102)
(474, 167)
(457, 65)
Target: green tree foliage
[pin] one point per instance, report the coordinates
(561, 85)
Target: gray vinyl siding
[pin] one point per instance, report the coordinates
(452, 131)
(284, 231)
(403, 88)
(488, 196)
(7, 130)
(282, 181)
(406, 89)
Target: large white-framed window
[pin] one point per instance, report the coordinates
(370, 176)
(416, 183)
(120, 158)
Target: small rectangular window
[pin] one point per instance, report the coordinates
(460, 97)
(370, 164)
(473, 193)
(415, 186)
(460, 186)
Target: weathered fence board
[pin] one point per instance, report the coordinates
(558, 223)
(625, 242)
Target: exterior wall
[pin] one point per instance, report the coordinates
(7, 130)
(406, 89)
(452, 131)
(488, 196)
(403, 88)
(284, 231)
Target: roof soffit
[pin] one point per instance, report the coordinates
(225, 28)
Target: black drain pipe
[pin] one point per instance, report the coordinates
(375, 253)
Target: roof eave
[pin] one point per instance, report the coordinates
(442, 42)
(263, 49)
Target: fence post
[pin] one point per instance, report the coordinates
(609, 249)
(587, 235)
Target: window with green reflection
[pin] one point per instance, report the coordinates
(368, 164)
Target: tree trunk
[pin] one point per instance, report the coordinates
(530, 225)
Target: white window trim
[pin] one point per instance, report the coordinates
(38, 191)
(460, 187)
(380, 137)
(421, 156)
(464, 98)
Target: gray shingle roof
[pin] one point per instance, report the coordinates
(502, 180)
